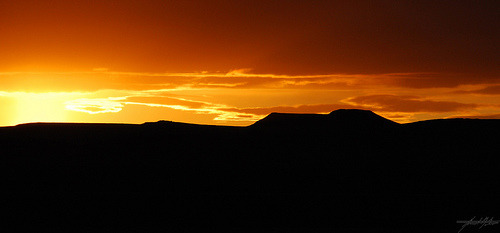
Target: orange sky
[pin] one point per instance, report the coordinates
(233, 62)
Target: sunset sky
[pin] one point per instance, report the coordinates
(234, 62)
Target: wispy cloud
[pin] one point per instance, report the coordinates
(483, 116)
(488, 90)
(396, 103)
(102, 78)
(305, 108)
(117, 104)
(95, 106)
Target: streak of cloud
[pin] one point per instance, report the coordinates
(117, 104)
(102, 78)
(488, 90)
(95, 106)
(395, 103)
(311, 108)
(484, 116)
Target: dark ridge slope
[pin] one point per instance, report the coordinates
(364, 117)
(342, 119)
(294, 120)
(347, 171)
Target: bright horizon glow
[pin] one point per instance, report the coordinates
(228, 98)
(39, 107)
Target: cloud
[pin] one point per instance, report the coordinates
(489, 90)
(484, 116)
(438, 80)
(395, 103)
(306, 108)
(167, 100)
(95, 106)
(117, 104)
(101, 78)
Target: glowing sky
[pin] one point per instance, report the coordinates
(233, 62)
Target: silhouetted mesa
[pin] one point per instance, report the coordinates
(361, 117)
(342, 119)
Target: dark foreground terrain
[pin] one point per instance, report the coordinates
(348, 171)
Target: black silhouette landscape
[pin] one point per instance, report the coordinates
(347, 171)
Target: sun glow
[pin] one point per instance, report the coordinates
(39, 107)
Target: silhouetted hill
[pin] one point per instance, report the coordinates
(285, 120)
(346, 121)
(360, 117)
(348, 171)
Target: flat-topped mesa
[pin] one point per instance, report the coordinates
(342, 118)
(287, 120)
(358, 116)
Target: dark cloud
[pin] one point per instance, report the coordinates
(282, 36)
(394, 36)
(488, 116)
(92, 81)
(395, 103)
(307, 108)
(98, 80)
(438, 80)
(489, 90)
